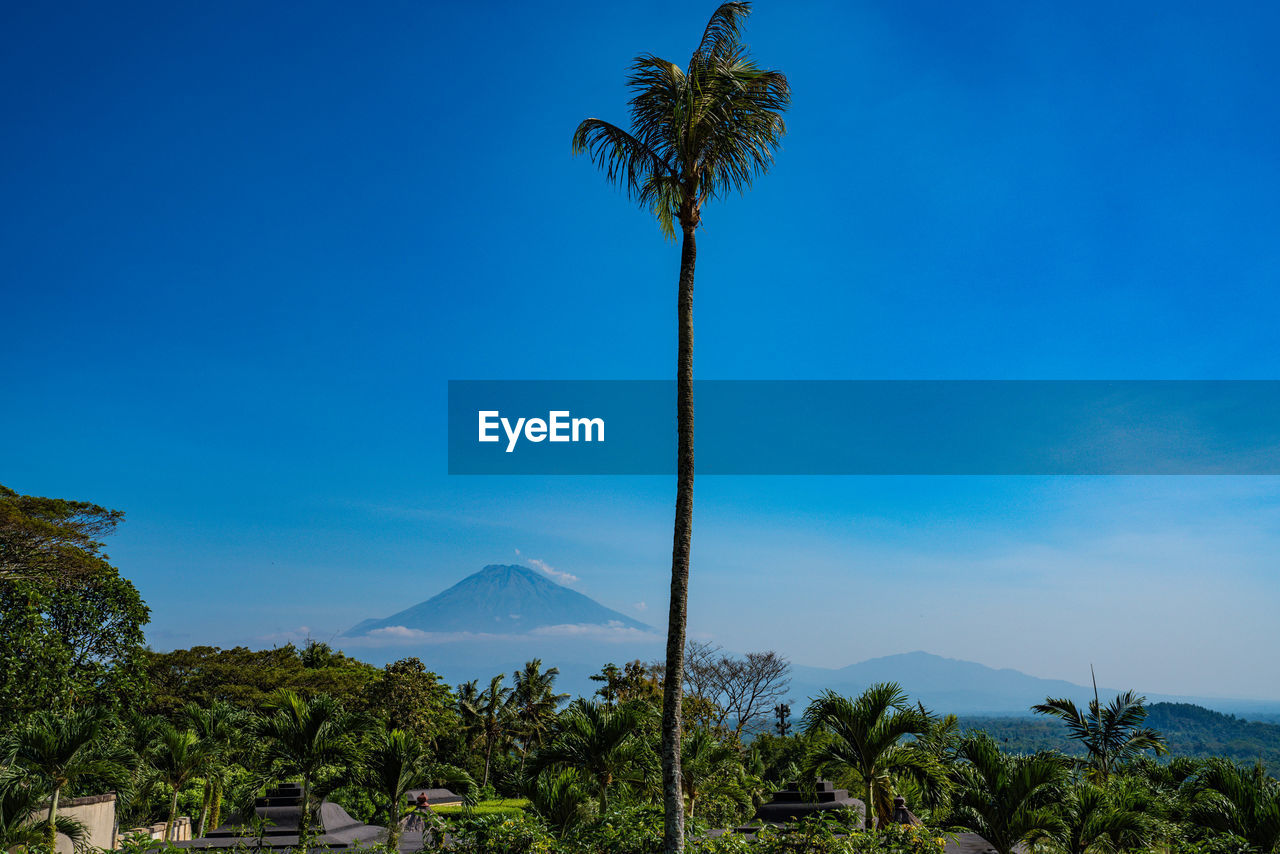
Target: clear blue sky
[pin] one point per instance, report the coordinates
(245, 245)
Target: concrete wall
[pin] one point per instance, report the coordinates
(98, 815)
(181, 830)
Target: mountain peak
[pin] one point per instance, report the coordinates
(502, 599)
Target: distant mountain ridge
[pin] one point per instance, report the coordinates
(968, 688)
(500, 600)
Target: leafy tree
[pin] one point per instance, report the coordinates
(1110, 734)
(52, 541)
(179, 757)
(488, 715)
(1007, 799)
(60, 750)
(862, 735)
(250, 678)
(600, 742)
(407, 696)
(1244, 802)
(70, 626)
(697, 134)
(315, 740)
(20, 826)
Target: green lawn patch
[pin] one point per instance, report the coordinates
(502, 806)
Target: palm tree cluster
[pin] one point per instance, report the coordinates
(591, 766)
(199, 754)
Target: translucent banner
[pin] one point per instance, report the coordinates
(925, 427)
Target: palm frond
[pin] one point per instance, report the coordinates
(626, 161)
(723, 31)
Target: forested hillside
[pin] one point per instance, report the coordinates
(1190, 731)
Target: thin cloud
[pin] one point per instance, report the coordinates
(612, 632)
(552, 572)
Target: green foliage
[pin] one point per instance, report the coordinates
(407, 696)
(1188, 730)
(508, 833)
(561, 800)
(70, 625)
(822, 835)
(249, 678)
(1243, 802)
(602, 744)
(22, 826)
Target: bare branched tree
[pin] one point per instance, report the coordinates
(744, 690)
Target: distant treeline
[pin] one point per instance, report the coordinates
(1190, 730)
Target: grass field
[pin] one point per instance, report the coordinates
(502, 806)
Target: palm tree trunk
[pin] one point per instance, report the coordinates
(173, 814)
(672, 724)
(304, 818)
(215, 809)
(52, 832)
(870, 804)
(204, 806)
(393, 827)
(488, 755)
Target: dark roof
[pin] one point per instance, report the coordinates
(435, 796)
(282, 811)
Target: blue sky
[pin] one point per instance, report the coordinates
(245, 246)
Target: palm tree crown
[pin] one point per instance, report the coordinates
(697, 133)
(315, 740)
(1007, 799)
(61, 749)
(600, 742)
(863, 735)
(1111, 734)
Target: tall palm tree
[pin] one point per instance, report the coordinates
(535, 703)
(1111, 734)
(316, 740)
(488, 715)
(1243, 801)
(61, 749)
(21, 830)
(697, 134)
(219, 726)
(601, 742)
(1007, 799)
(863, 734)
(178, 757)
